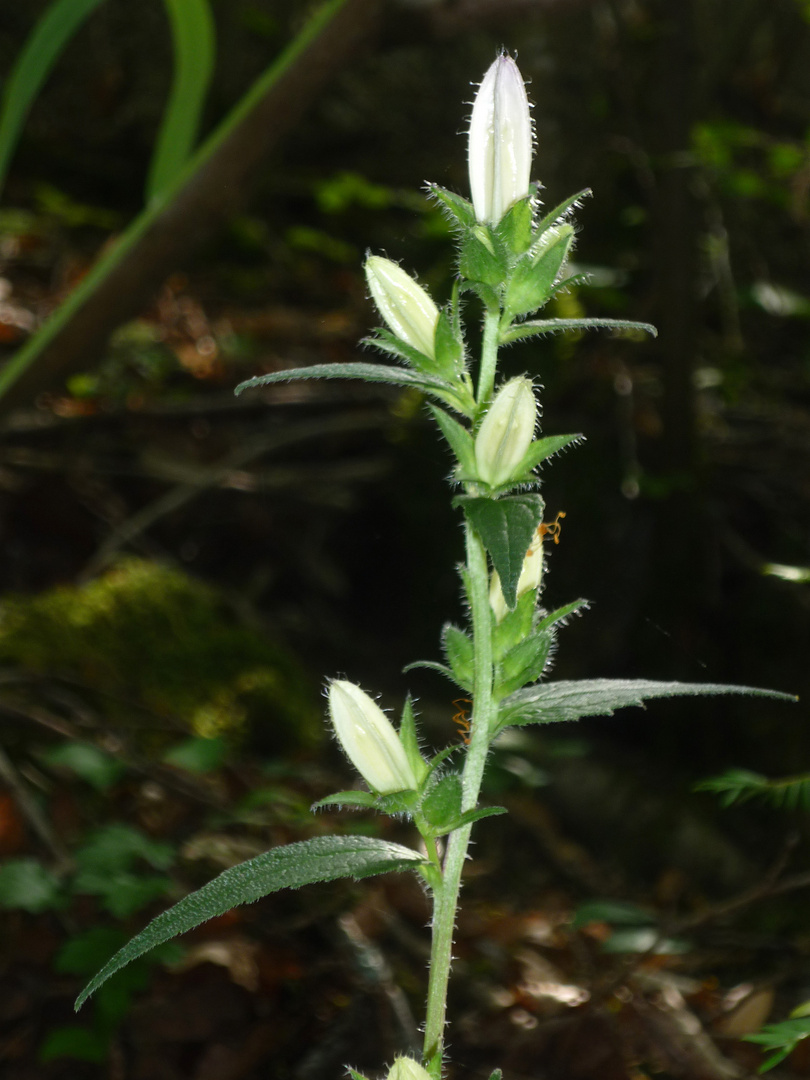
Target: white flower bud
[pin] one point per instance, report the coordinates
(407, 309)
(506, 432)
(369, 739)
(500, 142)
(405, 1068)
(531, 574)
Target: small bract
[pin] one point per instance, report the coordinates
(506, 432)
(369, 739)
(500, 142)
(408, 310)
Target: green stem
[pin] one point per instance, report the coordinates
(445, 900)
(489, 357)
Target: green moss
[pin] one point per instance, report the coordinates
(152, 640)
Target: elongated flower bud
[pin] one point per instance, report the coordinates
(405, 306)
(500, 142)
(531, 574)
(506, 432)
(405, 1068)
(369, 740)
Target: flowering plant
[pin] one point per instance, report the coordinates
(513, 259)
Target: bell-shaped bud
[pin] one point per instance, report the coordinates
(531, 574)
(500, 142)
(506, 432)
(369, 739)
(407, 309)
(405, 1068)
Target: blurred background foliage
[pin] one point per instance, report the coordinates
(180, 564)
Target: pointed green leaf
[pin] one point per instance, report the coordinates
(542, 449)
(532, 279)
(461, 441)
(458, 208)
(469, 816)
(323, 858)
(392, 345)
(362, 800)
(555, 326)
(442, 755)
(553, 217)
(524, 663)
(479, 259)
(449, 348)
(550, 703)
(561, 614)
(442, 804)
(496, 1075)
(460, 655)
(433, 665)
(515, 227)
(410, 742)
(514, 626)
(506, 527)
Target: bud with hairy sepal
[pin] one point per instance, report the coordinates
(500, 142)
(369, 739)
(405, 1068)
(506, 432)
(404, 305)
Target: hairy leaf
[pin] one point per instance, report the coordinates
(506, 527)
(550, 703)
(521, 330)
(323, 858)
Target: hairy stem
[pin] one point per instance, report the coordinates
(489, 357)
(446, 897)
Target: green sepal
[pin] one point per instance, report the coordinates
(531, 282)
(410, 743)
(561, 614)
(433, 665)
(356, 1075)
(506, 527)
(457, 207)
(496, 1074)
(459, 439)
(459, 652)
(449, 348)
(554, 702)
(398, 802)
(542, 449)
(518, 331)
(469, 816)
(514, 626)
(362, 800)
(560, 211)
(442, 755)
(480, 260)
(514, 229)
(442, 803)
(488, 296)
(389, 343)
(524, 663)
(323, 858)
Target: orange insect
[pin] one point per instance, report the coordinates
(461, 718)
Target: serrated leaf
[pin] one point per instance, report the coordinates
(542, 449)
(457, 207)
(363, 800)
(324, 858)
(506, 527)
(478, 261)
(571, 700)
(521, 330)
(459, 439)
(459, 652)
(524, 663)
(442, 804)
(375, 373)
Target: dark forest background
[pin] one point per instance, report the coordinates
(181, 569)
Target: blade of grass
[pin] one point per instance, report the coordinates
(33, 66)
(194, 44)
